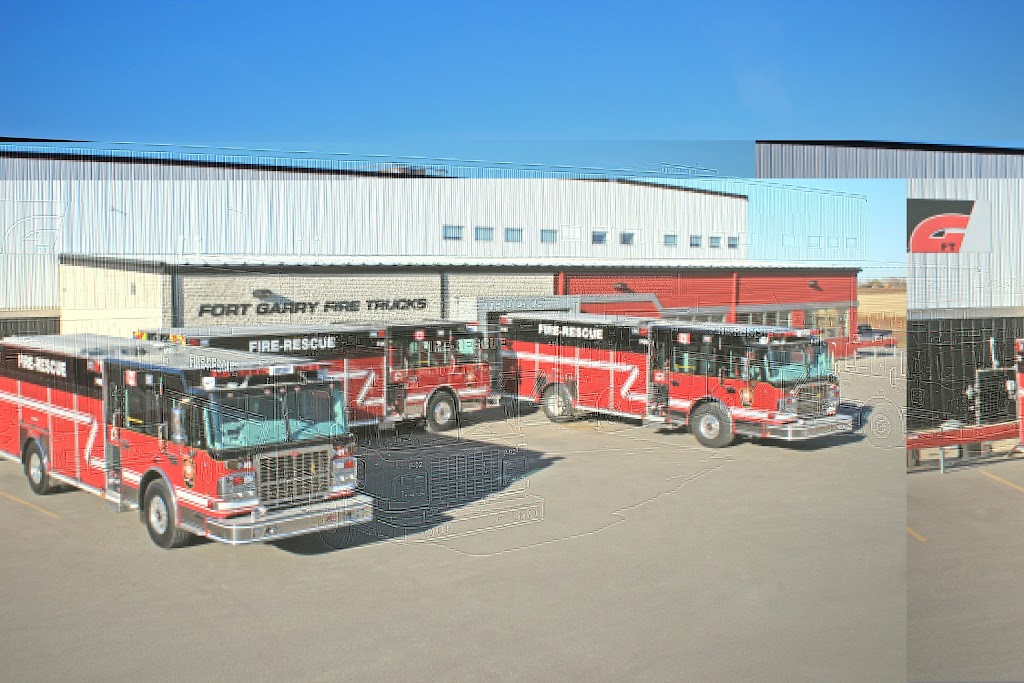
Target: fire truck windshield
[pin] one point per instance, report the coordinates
(792, 363)
(268, 416)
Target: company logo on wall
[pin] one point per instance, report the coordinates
(220, 310)
(938, 226)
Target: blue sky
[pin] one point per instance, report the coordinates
(604, 84)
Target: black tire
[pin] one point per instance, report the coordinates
(712, 426)
(35, 471)
(442, 413)
(161, 517)
(557, 403)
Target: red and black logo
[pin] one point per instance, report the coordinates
(937, 226)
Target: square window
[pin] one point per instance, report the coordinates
(671, 239)
(715, 242)
(814, 241)
(789, 240)
(833, 242)
(627, 238)
(851, 242)
(734, 242)
(484, 234)
(548, 236)
(695, 241)
(513, 234)
(452, 232)
(599, 237)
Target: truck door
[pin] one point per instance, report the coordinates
(661, 353)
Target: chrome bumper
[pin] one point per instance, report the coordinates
(256, 528)
(811, 428)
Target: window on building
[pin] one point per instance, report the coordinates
(789, 240)
(513, 234)
(548, 236)
(599, 237)
(734, 242)
(452, 232)
(627, 238)
(833, 242)
(695, 241)
(851, 242)
(671, 239)
(814, 241)
(715, 242)
(484, 234)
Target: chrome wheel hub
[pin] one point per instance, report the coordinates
(158, 515)
(710, 426)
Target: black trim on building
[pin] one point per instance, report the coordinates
(908, 146)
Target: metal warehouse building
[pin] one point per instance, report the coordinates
(101, 240)
(965, 279)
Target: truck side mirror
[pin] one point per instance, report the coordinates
(177, 425)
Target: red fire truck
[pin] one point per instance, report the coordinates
(391, 373)
(720, 380)
(237, 447)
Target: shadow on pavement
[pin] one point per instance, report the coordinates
(417, 478)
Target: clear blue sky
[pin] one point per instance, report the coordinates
(596, 84)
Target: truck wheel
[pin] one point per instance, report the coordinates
(712, 425)
(162, 518)
(557, 403)
(442, 414)
(35, 470)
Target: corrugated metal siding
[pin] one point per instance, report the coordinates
(779, 160)
(792, 223)
(173, 211)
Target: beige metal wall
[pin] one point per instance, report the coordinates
(111, 300)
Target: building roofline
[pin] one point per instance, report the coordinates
(907, 146)
(291, 265)
(312, 166)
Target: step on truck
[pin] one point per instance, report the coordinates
(232, 446)
(431, 370)
(719, 380)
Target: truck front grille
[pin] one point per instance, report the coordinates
(293, 478)
(812, 400)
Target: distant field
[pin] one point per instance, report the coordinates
(884, 309)
(882, 302)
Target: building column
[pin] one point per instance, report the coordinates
(734, 300)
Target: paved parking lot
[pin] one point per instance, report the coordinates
(517, 549)
(965, 550)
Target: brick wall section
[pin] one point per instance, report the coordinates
(235, 288)
(464, 289)
(111, 300)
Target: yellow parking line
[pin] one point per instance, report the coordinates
(1002, 481)
(31, 505)
(916, 535)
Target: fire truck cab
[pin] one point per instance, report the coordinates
(229, 445)
(763, 382)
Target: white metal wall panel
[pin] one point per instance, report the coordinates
(137, 209)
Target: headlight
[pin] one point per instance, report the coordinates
(343, 470)
(238, 487)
